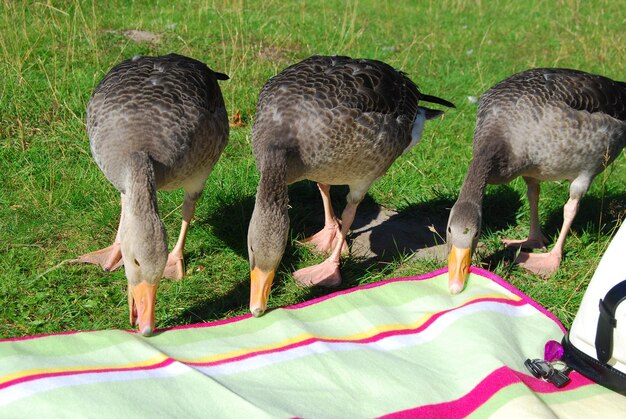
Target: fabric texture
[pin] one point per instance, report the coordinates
(397, 348)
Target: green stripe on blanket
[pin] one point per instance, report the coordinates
(403, 348)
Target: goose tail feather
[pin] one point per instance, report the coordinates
(435, 99)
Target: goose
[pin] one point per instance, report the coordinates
(543, 124)
(154, 123)
(336, 121)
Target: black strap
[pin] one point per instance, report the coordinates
(607, 321)
(593, 369)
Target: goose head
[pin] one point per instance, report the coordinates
(144, 251)
(267, 239)
(462, 237)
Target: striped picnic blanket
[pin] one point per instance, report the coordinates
(399, 348)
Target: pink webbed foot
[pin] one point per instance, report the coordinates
(527, 243)
(543, 264)
(325, 239)
(175, 268)
(326, 274)
(109, 258)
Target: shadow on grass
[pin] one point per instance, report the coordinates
(379, 236)
(596, 216)
(385, 234)
(218, 307)
(500, 207)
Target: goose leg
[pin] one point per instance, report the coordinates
(545, 264)
(536, 239)
(325, 239)
(327, 273)
(109, 258)
(175, 267)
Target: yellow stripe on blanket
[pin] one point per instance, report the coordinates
(363, 335)
(51, 371)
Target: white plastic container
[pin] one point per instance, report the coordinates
(596, 344)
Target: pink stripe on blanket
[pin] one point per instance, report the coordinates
(495, 278)
(44, 375)
(314, 300)
(485, 390)
(370, 339)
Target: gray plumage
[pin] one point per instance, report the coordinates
(154, 123)
(341, 120)
(543, 124)
(333, 120)
(170, 107)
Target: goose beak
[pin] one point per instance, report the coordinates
(260, 286)
(141, 300)
(459, 261)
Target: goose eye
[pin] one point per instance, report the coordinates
(136, 262)
(449, 230)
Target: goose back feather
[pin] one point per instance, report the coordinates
(340, 119)
(170, 107)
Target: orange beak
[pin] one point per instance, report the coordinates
(260, 286)
(141, 300)
(459, 261)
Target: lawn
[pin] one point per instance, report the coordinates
(55, 204)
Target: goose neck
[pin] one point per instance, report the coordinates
(473, 188)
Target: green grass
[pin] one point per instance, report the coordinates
(55, 204)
